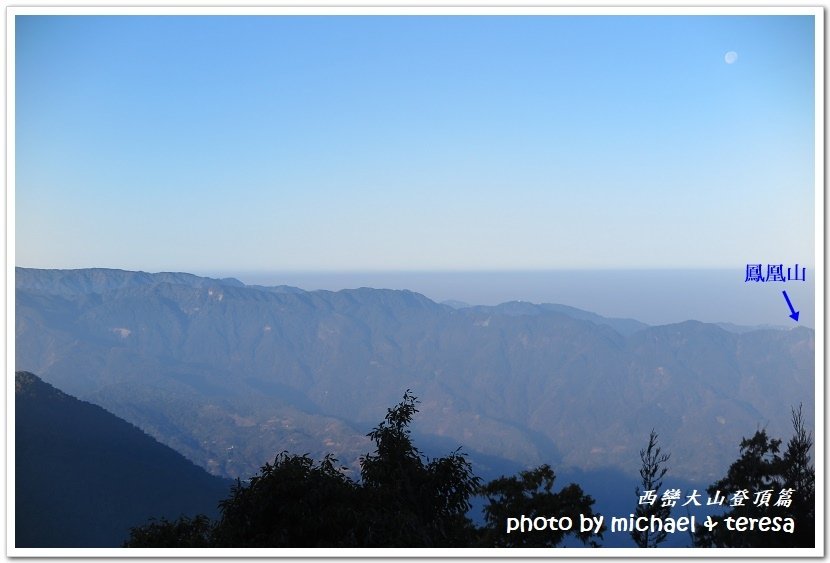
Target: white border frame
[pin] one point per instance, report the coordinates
(466, 9)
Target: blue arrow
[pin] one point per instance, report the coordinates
(794, 315)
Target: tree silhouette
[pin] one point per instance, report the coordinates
(404, 499)
(652, 471)
(414, 501)
(184, 532)
(789, 482)
(292, 503)
(530, 495)
(799, 475)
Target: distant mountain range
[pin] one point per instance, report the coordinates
(230, 374)
(83, 477)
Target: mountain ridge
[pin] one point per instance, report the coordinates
(267, 371)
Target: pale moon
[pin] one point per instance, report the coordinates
(730, 57)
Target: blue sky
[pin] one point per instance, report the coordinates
(413, 143)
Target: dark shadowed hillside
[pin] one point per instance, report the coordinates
(83, 477)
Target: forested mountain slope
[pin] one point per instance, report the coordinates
(229, 374)
(83, 477)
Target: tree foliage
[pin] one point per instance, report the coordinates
(761, 467)
(184, 532)
(531, 494)
(403, 499)
(291, 503)
(411, 500)
(799, 475)
(652, 471)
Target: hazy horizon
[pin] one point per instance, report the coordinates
(653, 296)
(466, 158)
